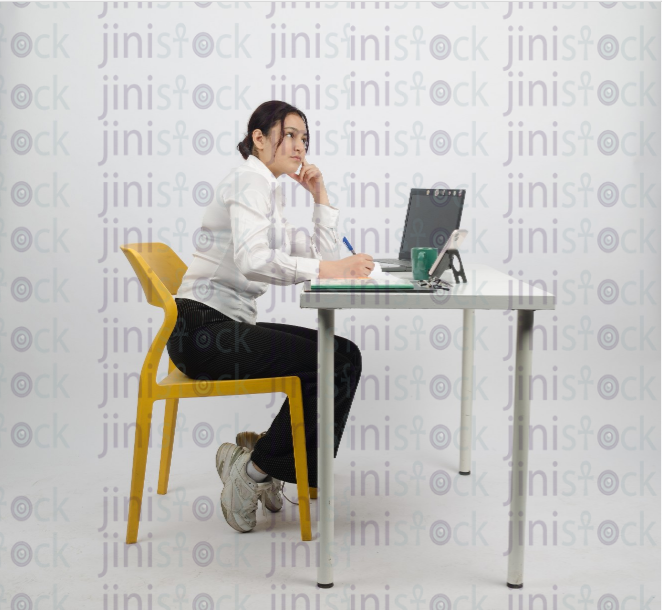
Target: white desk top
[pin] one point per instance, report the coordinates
(486, 288)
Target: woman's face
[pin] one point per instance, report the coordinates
(282, 160)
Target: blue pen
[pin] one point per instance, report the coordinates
(346, 241)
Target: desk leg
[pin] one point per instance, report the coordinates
(468, 330)
(325, 381)
(520, 450)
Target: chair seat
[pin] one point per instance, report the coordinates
(177, 384)
(176, 378)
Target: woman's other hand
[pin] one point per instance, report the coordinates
(357, 265)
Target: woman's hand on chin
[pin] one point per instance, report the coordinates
(310, 177)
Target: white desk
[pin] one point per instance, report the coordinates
(486, 288)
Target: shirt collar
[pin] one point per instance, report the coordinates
(261, 168)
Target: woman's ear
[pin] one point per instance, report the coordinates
(257, 137)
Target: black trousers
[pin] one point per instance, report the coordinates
(206, 344)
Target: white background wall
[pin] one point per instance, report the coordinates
(434, 74)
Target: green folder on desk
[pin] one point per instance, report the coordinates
(385, 281)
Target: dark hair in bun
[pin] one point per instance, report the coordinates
(264, 117)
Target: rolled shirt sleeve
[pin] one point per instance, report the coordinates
(253, 215)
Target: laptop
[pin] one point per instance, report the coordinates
(432, 215)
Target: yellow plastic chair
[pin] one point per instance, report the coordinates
(160, 272)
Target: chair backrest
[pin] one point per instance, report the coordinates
(155, 260)
(160, 272)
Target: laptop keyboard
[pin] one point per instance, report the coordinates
(394, 263)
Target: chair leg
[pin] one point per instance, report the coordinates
(300, 460)
(140, 448)
(169, 423)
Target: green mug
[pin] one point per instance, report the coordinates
(421, 261)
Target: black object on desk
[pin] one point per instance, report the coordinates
(447, 262)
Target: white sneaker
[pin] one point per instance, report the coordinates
(240, 492)
(248, 439)
(274, 499)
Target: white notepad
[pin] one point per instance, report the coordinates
(375, 280)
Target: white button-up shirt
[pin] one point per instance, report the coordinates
(245, 243)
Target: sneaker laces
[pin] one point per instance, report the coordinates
(280, 488)
(283, 492)
(260, 494)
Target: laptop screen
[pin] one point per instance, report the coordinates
(432, 216)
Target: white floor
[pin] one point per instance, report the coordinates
(78, 552)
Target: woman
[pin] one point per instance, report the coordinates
(248, 245)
